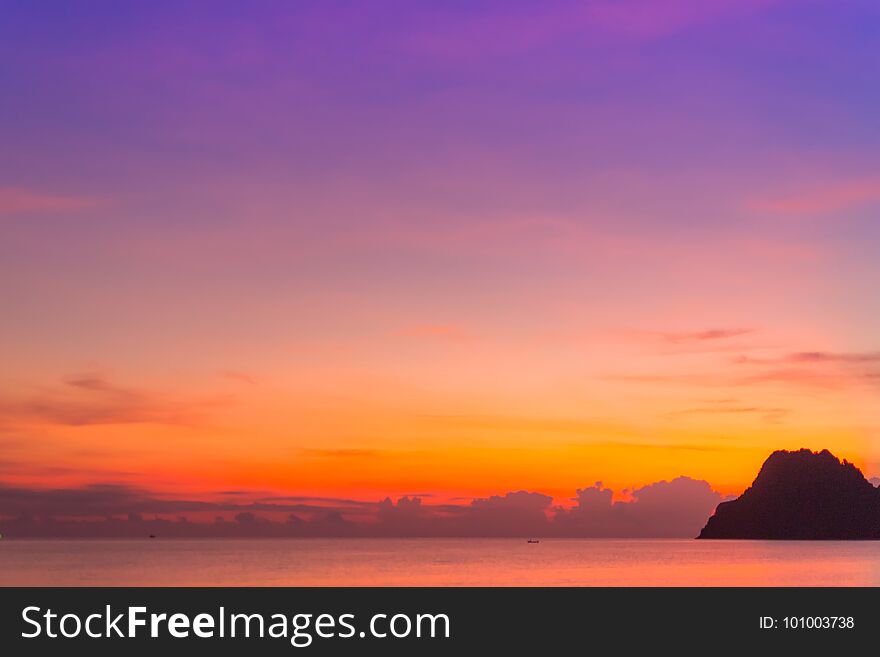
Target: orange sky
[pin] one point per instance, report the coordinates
(423, 412)
(447, 253)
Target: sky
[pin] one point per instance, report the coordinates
(445, 252)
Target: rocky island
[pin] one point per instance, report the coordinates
(801, 495)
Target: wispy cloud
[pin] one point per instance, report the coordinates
(341, 453)
(14, 200)
(817, 357)
(91, 399)
(686, 341)
(536, 424)
(707, 335)
(824, 369)
(510, 30)
(767, 413)
(663, 446)
(450, 332)
(822, 200)
(240, 377)
(803, 377)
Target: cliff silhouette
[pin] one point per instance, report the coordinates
(801, 495)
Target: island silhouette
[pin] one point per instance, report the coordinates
(801, 495)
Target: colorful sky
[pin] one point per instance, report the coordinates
(447, 250)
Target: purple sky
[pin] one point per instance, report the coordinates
(350, 250)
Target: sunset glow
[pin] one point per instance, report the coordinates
(445, 252)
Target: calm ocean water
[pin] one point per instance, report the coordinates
(438, 562)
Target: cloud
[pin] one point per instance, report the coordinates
(823, 369)
(340, 453)
(535, 424)
(22, 201)
(828, 199)
(794, 376)
(321, 501)
(240, 377)
(91, 399)
(93, 504)
(830, 357)
(807, 357)
(407, 517)
(768, 413)
(708, 340)
(705, 335)
(676, 508)
(806, 369)
(509, 30)
(520, 513)
(665, 446)
(449, 332)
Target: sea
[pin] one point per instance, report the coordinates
(437, 562)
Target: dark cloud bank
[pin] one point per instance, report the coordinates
(677, 508)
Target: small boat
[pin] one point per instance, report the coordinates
(533, 540)
(152, 536)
